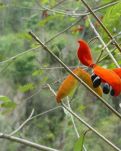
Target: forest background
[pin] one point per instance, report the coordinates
(27, 73)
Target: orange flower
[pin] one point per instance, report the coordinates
(117, 71)
(70, 83)
(112, 77)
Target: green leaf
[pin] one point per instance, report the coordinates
(37, 72)
(45, 1)
(5, 102)
(79, 144)
(111, 19)
(8, 105)
(4, 99)
(27, 87)
(82, 107)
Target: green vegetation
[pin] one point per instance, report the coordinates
(24, 78)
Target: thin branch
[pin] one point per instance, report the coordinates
(23, 124)
(26, 142)
(6, 66)
(85, 123)
(73, 24)
(45, 112)
(31, 117)
(52, 38)
(93, 39)
(116, 35)
(80, 80)
(18, 55)
(59, 3)
(54, 68)
(73, 122)
(91, 128)
(62, 12)
(72, 119)
(102, 50)
(101, 40)
(106, 56)
(58, 34)
(53, 92)
(37, 92)
(102, 25)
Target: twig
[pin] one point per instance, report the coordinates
(74, 125)
(60, 2)
(90, 127)
(45, 112)
(84, 137)
(74, 23)
(85, 123)
(102, 25)
(102, 50)
(6, 66)
(116, 35)
(26, 142)
(30, 118)
(72, 119)
(101, 40)
(18, 55)
(53, 92)
(44, 86)
(62, 12)
(93, 39)
(80, 80)
(100, 60)
(29, 50)
(106, 56)
(52, 38)
(65, 12)
(22, 125)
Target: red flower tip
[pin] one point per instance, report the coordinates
(84, 53)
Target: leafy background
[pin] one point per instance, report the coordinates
(24, 79)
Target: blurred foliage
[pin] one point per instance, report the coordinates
(112, 20)
(6, 104)
(24, 78)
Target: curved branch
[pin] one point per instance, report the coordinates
(26, 142)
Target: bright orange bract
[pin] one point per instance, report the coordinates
(117, 71)
(70, 83)
(84, 53)
(109, 76)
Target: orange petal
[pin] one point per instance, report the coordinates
(70, 83)
(117, 71)
(84, 53)
(85, 76)
(110, 77)
(67, 86)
